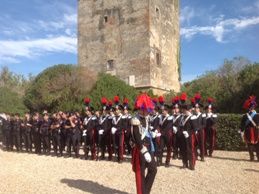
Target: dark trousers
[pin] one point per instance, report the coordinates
(45, 141)
(37, 142)
(165, 140)
(119, 144)
(210, 140)
(144, 181)
(76, 143)
(253, 148)
(56, 140)
(16, 140)
(90, 144)
(187, 150)
(8, 140)
(127, 141)
(176, 146)
(104, 143)
(200, 135)
(28, 141)
(69, 142)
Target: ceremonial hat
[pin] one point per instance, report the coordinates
(161, 101)
(144, 102)
(250, 103)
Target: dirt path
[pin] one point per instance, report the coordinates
(227, 172)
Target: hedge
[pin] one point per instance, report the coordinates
(228, 137)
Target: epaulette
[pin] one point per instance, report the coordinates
(135, 121)
(170, 118)
(94, 118)
(203, 115)
(193, 117)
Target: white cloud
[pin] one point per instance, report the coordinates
(11, 50)
(187, 13)
(220, 29)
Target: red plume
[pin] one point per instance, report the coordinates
(249, 102)
(125, 101)
(183, 97)
(144, 102)
(210, 100)
(161, 99)
(197, 97)
(175, 100)
(104, 101)
(87, 101)
(116, 99)
(110, 103)
(154, 100)
(192, 101)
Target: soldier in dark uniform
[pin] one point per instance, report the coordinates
(27, 125)
(176, 120)
(7, 127)
(109, 133)
(76, 139)
(68, 125)
(104, 130)
(63, 130)
(117, 130)
(166, 138)
(2, 129)
(36, 122)
(154, 122)
(90, 128)
(199, 125)
(186, 135)
(45, 133)
(126, 118)
(143, 147)
(210, 129)
(250, 127)
(56, 134)
(16, 132)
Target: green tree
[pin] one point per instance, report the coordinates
(109, 86)
(60, 87)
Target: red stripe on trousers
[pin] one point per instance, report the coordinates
(137, 169)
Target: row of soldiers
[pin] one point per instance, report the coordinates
(109, 130)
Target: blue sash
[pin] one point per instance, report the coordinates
(252, 116)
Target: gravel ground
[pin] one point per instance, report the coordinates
(226, 172)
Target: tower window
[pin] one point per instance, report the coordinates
(158, 59)
(157, 13)
(110, 65)
(105, 19)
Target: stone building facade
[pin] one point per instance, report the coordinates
(136, 40)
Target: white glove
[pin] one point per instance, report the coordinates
(84, 132)
(185, 133)
(174, 130)
(101, 132)
(242, 135)
(147, 155)
(114, 130)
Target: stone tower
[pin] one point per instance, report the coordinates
(136, 40)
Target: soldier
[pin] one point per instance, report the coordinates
(2, 128)
(27, 131)
(56, 134)
(166, 138)
(36, 122)
(45, 133)
(250, 127)
(7, 127)
(90, 128)
(75, 122)
(143, 147)
(69, 126)
(210, 129)
(176, 120)
(16, 132)
(110, 120)
(117, 130)
(154, 122)
(186, 135)
(126, 118)
(198, 123)
(104, 131)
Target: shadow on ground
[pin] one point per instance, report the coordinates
(90, 186)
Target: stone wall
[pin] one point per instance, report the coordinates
(120, 37)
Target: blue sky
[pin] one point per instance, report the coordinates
(35, 34)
